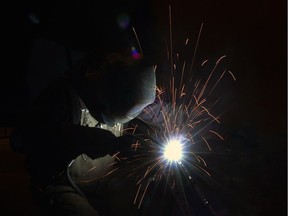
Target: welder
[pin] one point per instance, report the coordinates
(67, 135)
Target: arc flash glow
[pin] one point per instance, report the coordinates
(173, 151)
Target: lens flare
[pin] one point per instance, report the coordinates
(135, 53)
(173, 151)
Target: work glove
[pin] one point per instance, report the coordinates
(125, 143)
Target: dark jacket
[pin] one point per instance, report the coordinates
(50, 134)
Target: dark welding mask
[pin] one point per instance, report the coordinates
(129, 89)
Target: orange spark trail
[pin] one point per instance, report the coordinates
(216, 134)
(207, 144)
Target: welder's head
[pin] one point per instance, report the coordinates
(125, 87)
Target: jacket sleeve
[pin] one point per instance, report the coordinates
(95, 142)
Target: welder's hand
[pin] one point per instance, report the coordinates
(125, 142)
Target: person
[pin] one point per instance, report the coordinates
(67, 132)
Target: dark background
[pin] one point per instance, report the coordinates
(253, 34)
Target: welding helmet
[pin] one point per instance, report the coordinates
(131, 86)
(124, 87)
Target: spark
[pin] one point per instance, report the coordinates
(135, 127)
(217, 134)
(182, 74)
(116, 156)
(139, 187)
(136, 36)
(205, 171)
(202, 160)
(90, 170)
(143, 195)
(99, 177)
(207, 144)
(135, 146)
(215, 118)
(218, 81)
(212, 72)
(171, 40)
(195, 50)
(204, 62)
(234, 78)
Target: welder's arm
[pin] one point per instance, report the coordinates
(94, 142)
(152, 114)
